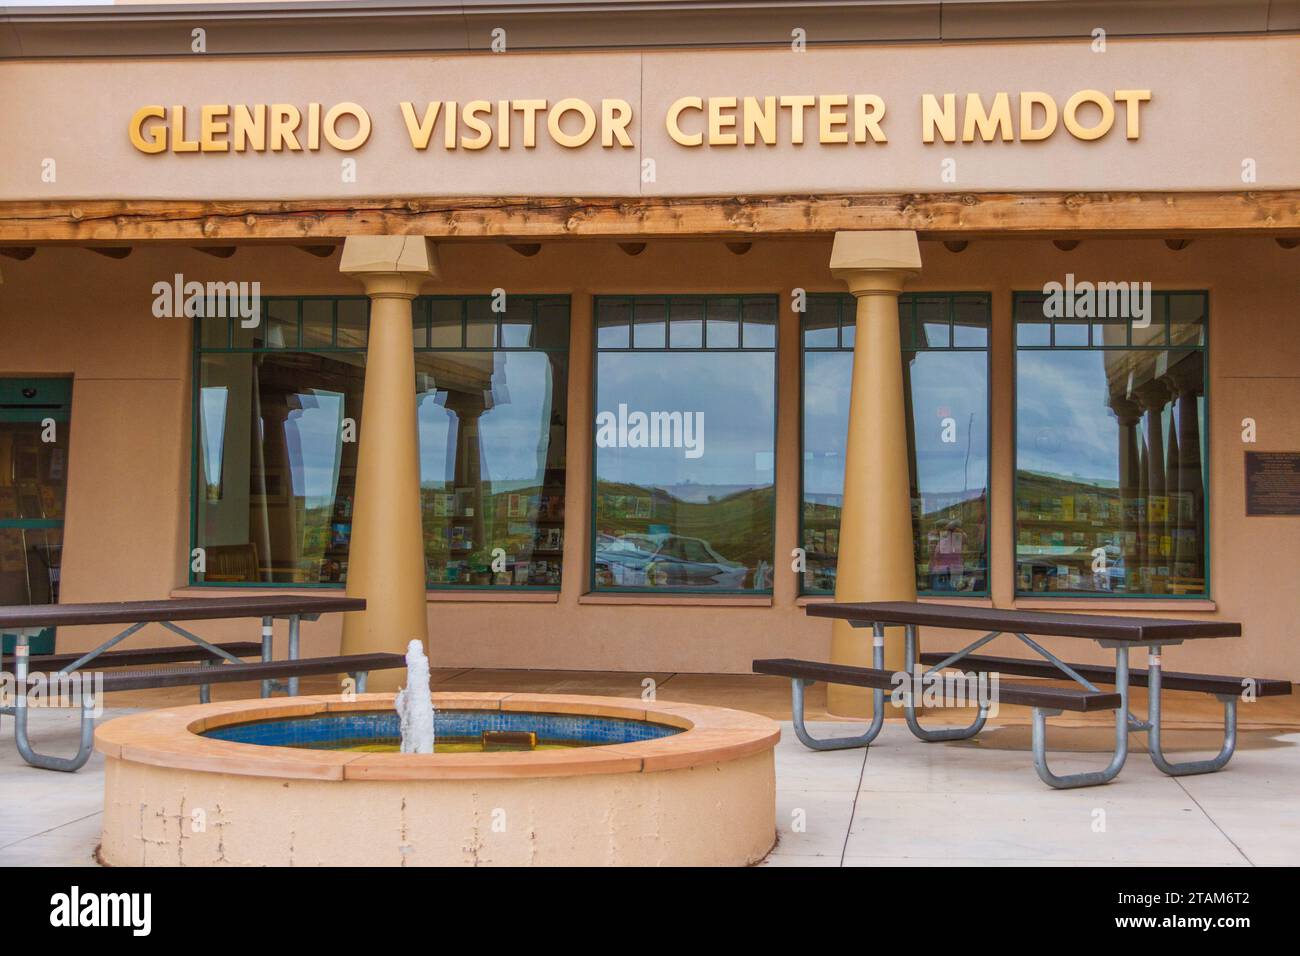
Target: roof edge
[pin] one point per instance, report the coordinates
(402, 26)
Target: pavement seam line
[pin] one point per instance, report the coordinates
(1213, 822)
(853, 811)
(68, 823)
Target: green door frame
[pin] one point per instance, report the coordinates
(33, 400)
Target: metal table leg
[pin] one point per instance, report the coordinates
(798, 685)
(909, 707)
(1153, 729)
(293, 651)
(1093, 777)
(205, 690)
(44, 761)
(267, 633)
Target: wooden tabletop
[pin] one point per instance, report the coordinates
(1097, 627)
(172, 609)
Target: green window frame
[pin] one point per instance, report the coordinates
(725, 308)
(1036, 332)
(915, 327)
(504, 325)
(214, 332)
(341, 326)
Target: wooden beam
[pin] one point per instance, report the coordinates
(933, 215)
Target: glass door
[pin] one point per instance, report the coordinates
(34, 422)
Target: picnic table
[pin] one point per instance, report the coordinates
(1120, 634)
(205, 663)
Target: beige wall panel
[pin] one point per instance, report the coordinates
(127, 489)
(1255, 561)
(1215, 103)
(94, 102)
(1196, 130)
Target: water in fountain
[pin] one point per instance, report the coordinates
(413, 703)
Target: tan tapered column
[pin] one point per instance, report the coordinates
(386, 555)
(875, 557)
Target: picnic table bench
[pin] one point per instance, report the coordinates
(202, 663)
(1118, 633)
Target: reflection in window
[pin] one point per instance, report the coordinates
(312, 434)
(492, 442)
(212, 436)
(684, 439)
(945, 378)
(278, 427)
(277, 472)
(1110, 437)
(273, 443)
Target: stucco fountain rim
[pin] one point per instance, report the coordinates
(171, 737)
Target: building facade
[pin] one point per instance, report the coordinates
(610, 339)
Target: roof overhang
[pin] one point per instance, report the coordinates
(389, 26)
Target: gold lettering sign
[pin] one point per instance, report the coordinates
(994, 121)
(570, 123)
(691, 121)
(257, 128)
(696, 121)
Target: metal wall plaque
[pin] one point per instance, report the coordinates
(1272, 483)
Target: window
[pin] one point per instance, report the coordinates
(274, 469)
(278, 417)
(944, 339)
(491, 391)
(685, 432)
(1111, 464)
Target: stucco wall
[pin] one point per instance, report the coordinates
(1215, 103)
(70, 311)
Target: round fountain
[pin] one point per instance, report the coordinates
(512, 779)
